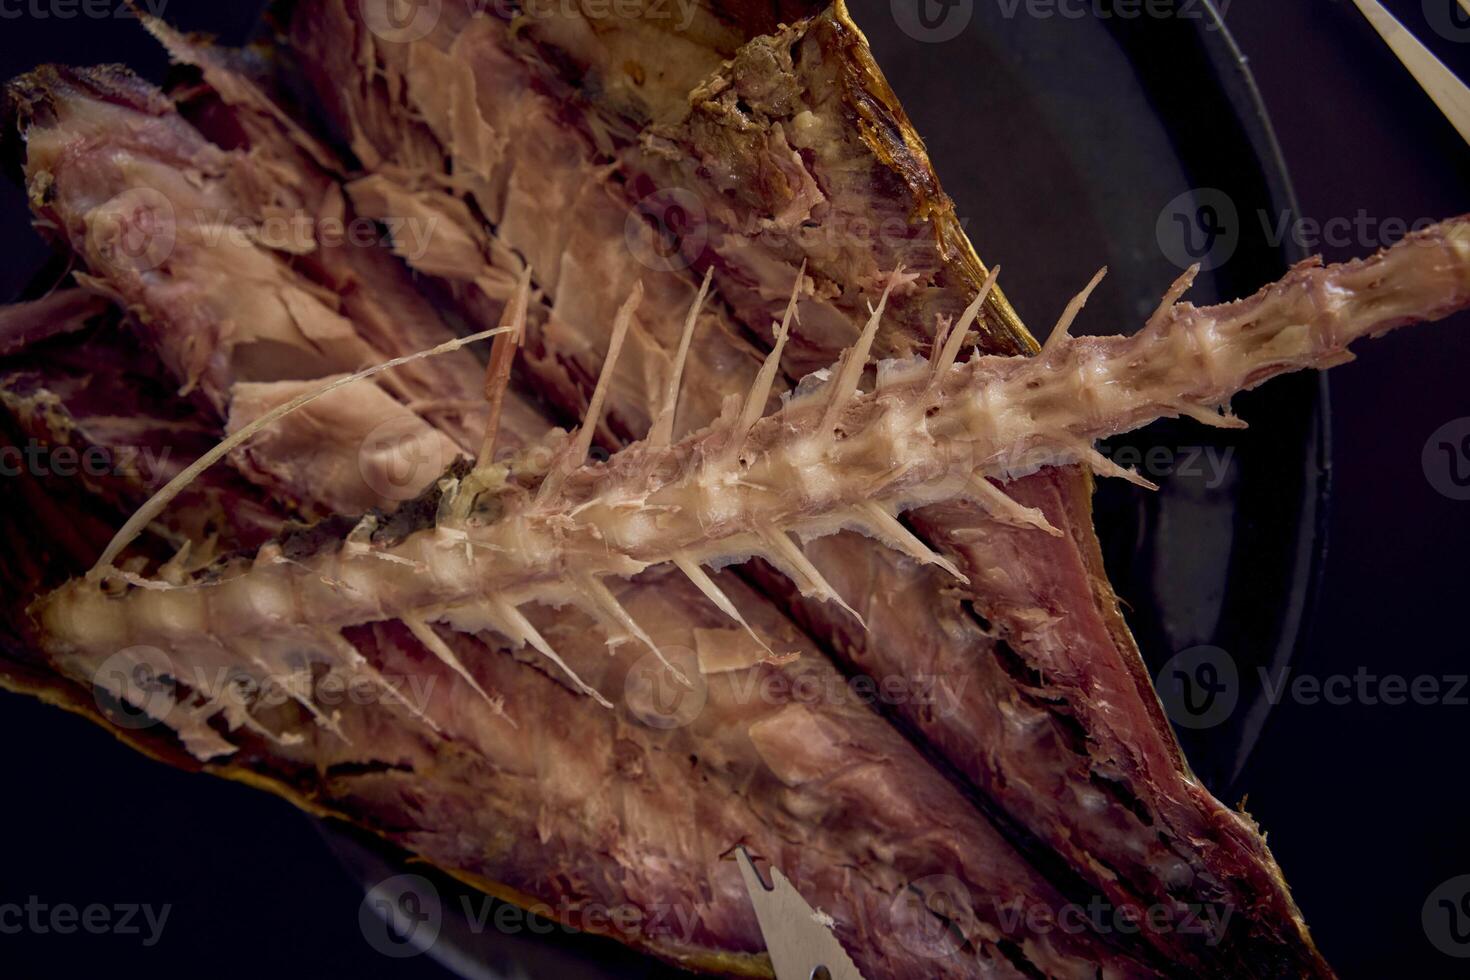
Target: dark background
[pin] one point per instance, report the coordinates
(1365, 805)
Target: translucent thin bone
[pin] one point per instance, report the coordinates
(765, 378)
(156, 504)
(809, 580)
(1175, 293)
(696, 574)
(1062, 332)
(891, 530)
(355, 658)
(1103, 466)
(521, 628)
(431, 640)
(854, 362)
(604, 601)
(1209, 416)
(321, 717)
(956, 339)
(1001, 506)
(662, 433)
(582, 445)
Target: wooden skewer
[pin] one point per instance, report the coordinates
(1447, 91)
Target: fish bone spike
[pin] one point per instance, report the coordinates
(521, 630)
(502, 359)
(662, 433)
(885, 527)
(760, 389)
(268, 671)
(352, 656)
(236, 716)
(1171, 298)
(621, 323)
(854, 362)
(431, 640)
(1002, 507)
(1062, 332)
(955, 341)
(715, 594)
(155, 505)
(1209, 416)
(1103, 466)
(607, 606)
(789, 557)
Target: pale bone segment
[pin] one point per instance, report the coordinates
(712, 499)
